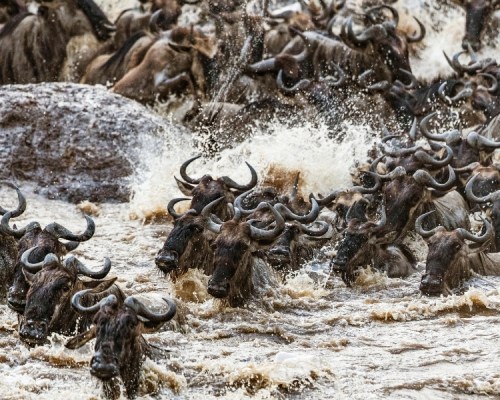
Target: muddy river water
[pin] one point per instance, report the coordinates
(310, 338)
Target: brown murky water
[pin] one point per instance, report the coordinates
(310, 338)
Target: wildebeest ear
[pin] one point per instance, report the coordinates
(98, 286)
(184, 187)
(79, 340)
(43, 11)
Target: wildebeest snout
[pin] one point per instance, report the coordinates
(34, 332)
(218, 289)
(279, 255)
(167, 261)
(431, 285)
(104, 365)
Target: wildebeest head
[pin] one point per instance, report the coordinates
(52, 284)
(119, 348)
(487, 194)
(46, 241)
(234, 245)
(287, 252)
(476, 12)
(188, 237)
(404, 195)
(447, 263)
(354, 248)
(207, 189)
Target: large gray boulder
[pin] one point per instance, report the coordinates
(75, 142)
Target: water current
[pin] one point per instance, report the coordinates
(311, 338)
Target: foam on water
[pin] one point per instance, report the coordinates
(324, 164)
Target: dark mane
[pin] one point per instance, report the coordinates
(12, 24)
(118, 56)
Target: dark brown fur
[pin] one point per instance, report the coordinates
(33, 48)
(48, 302)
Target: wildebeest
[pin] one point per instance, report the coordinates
(466, 150)
(33, 46)
(48, 301)
(476, 12)
(120, 348)
(379, 47)
(361, 245)
(492, 197)
(188, 243)
(237, 273)
(8, 244)
(451, 261)
(407, 196)
(46, 241)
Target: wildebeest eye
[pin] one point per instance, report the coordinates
(65, 288)
(458, 246)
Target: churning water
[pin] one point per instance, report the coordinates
(312, 338)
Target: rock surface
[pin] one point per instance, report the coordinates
(75, 142)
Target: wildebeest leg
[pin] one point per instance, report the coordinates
(476, 13)
(100, 24)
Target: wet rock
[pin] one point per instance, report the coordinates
(75, 142)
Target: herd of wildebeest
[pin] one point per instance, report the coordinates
(421, 179)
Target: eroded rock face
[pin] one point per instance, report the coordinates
(75, 142)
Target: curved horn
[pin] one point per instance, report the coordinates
(268, 65)
(35, 267)
(261, 234)
(17, 233)
(423, 177)
(304, 219)
(425, 158)
(463, 94)
(465, 234)
(455, 64)
(172, 203)
(395, 14)
(315, 233)
(417, 38)
(141, 310)
(365, 190)
(472, 197)
(83, 270)
(413, 80)
(331, 81)
(238, 203)
(394, 152)
(421, 231)
(183, 173)
(361, 39)
(468, 168)
(301, 85)
(206, 214)
(325, 201)
(233, 185)
(395, 173)
(494, 85)
(449, 137)
(77, 306)
(21, 207)
(60, 232)
(478, 141)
